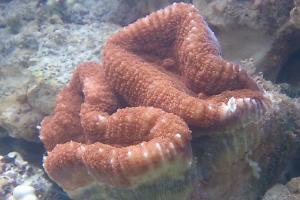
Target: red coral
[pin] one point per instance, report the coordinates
(121, 149)
(171, 60)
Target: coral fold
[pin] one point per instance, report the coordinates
(88, 144)
(171, 60)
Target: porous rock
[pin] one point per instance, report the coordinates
(290, 191)
(20, 180)
(38, 55)
(266, 31)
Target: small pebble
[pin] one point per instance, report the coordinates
(24, 192)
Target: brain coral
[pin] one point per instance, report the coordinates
(168, 66)
(171, 60)
(87, 144)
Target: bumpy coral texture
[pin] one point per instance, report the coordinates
(78, 106)
(171, 60)
(87, 143)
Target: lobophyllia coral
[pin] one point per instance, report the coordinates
(171, 60)
(88, 145)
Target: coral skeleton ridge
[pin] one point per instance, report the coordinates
(166, 70)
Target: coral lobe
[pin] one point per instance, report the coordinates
(171, 60)
(88, 144)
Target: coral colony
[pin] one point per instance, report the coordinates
(124, 123)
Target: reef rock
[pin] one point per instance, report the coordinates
(121, 12)
(265, 31)
(290, 191)
(20, 180)
(38, 54)
(249, 26)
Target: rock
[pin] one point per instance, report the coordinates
(278, 192)
(62, 48)
(24, 192)
(16, 115)
(290, 191)
(121, 12)
(294, 185)
(245, 28)
(266, 31)
(20, 180)
(37, 60)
